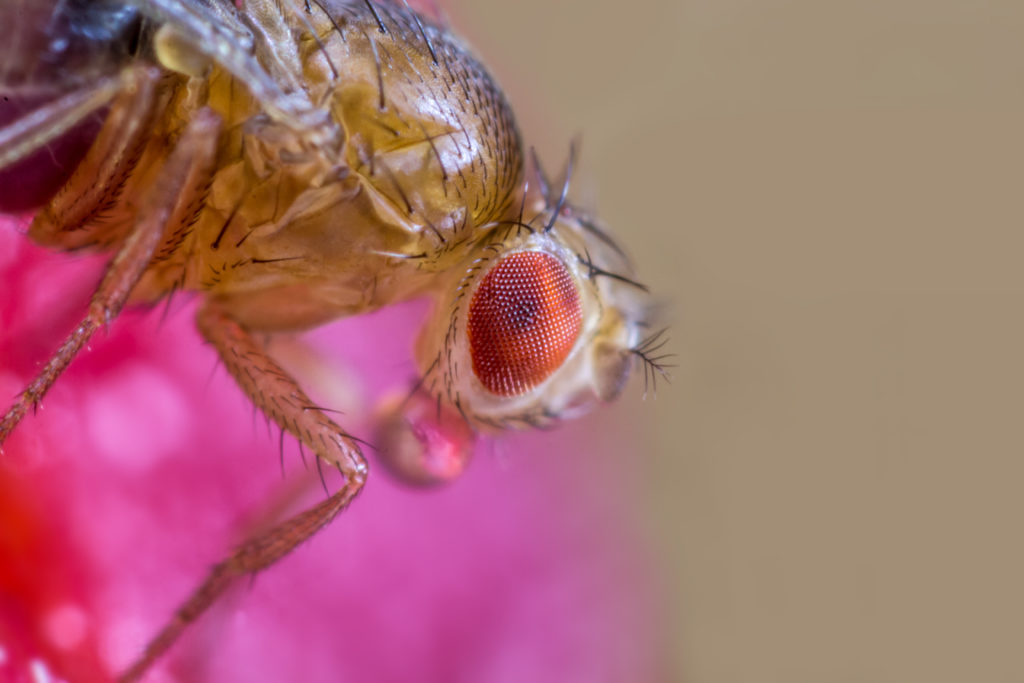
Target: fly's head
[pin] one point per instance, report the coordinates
(543, 322)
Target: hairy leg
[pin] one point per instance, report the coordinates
(254, 555)
(279, 397)
(273, 390)
(69, 220)
(185, 172)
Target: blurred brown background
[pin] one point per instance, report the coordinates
(830, 198)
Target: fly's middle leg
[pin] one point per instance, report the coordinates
(185, 174)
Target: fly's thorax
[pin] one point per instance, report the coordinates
(299, 231)
(426, 152)
(429, 153)
(525, 333)
(424, 122)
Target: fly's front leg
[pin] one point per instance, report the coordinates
(279, 397)
(274, 391)
(187, 169)
(254, 555)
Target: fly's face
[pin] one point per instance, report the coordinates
(538, 324)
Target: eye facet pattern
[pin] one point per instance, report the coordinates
(524, 319)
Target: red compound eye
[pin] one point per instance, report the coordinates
(523, 322)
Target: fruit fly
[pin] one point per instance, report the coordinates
(297, 162)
